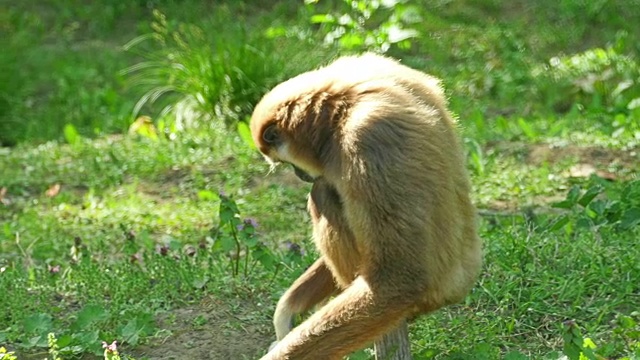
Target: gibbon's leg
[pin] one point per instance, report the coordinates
(311, 288)
(351, 321)
(394, 345)
(332, 234)
(318, 282)
(330, 227)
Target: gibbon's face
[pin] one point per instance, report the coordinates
(278, 146)
(285, 125)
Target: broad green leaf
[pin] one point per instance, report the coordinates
(264, 257)
(142, 324)
(227, 243)
(598, 206)
(527, 129)
(86, 338)
(626, 322)
(631, 191)
(36, 341)
(200, 282)
(589, 195)
(89, 315)
(571, 199)
(559, 223)
(630, 218)
(38, 324)
(584, 223)
(129, 332)
(275, 32)
(350, 41)
(64, 341)
(207, 195)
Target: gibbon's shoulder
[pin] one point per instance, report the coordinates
(372, 67)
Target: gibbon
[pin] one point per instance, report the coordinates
(390, 207)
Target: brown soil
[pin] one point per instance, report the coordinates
(582, 161)
(597, 156)
(538, 154)
(210, 330)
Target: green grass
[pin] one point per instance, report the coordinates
(140, 242)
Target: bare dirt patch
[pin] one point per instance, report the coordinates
(597, 156)
(610, 164)
(213, 330)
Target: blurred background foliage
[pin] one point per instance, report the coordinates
(99, 65)
(124, 167)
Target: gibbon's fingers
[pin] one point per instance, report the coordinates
(311, 288)
(353, 319)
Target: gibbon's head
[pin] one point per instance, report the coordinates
(297, 122)
(293, 124)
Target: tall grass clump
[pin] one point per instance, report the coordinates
(197, 73)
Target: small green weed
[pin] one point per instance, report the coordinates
(7, 355)
(238, 238)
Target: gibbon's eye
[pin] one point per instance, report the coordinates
(270, 135)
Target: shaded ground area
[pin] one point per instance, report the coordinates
(211, 330)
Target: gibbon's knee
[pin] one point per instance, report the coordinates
(311, 288)
(352, 320)
(390, 206)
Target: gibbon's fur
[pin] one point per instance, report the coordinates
(390, 206)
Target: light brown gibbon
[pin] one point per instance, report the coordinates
(392, 218)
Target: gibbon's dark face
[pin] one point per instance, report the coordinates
(272, 138)
(275, 146)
